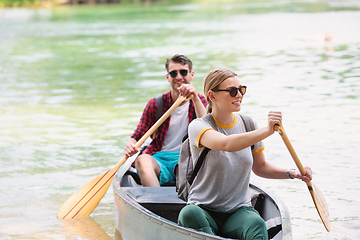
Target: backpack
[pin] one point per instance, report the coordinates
(184, 170)
(160, 105)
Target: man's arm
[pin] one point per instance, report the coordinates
(199, 106)
(143, 126)
(186, 90)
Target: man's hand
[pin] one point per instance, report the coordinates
(187, 89)
(131, 148)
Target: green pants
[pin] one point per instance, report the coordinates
(244, 223)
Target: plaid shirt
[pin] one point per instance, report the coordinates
(148, 117)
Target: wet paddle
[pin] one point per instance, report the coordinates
(316, 195)
(85, 200)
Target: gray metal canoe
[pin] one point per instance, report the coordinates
(151, 213)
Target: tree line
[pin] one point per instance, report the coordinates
(40, 3)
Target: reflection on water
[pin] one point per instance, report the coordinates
(74, 81)
(117, 235)
(86, 228)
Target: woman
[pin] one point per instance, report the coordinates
(219, 200)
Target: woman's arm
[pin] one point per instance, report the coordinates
(232, 143)
(236, 142)
(266, 169)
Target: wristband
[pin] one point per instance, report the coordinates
(288, 173)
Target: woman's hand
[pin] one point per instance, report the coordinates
(274, 118)
(298, 175)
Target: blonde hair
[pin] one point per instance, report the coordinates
(213, 80)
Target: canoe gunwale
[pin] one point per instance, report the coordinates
(283, 210)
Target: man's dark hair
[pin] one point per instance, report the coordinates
(182, 59)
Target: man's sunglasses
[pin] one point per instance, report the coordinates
(233, 90)
(183, 72)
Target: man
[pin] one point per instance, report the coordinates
(155, 165)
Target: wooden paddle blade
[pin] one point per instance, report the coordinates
(85, 200)
(320, 204)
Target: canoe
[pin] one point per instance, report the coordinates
(151, 212)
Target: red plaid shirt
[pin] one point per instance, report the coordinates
(148, 117)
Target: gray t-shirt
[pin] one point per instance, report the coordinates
(223, 180)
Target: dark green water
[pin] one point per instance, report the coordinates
(74, 81)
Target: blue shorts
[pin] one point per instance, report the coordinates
(166, 161)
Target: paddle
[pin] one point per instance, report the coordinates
(84, 201)
(316, 195)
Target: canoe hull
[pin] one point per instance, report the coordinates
(151, 213)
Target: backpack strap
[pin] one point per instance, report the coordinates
(203, 154)
(249, 126)
(159, 111)
(199, 161)
(160, 106)
(198, 164)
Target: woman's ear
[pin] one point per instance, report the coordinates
(211, 95)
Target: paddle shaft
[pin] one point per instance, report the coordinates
(84, 201)
(178, 102)
(292, 152)
(315, 193)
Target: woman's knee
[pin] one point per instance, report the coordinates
(188, 216)
(193, 216)
(259, 227)
(245, 224)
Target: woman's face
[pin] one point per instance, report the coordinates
(223, 98)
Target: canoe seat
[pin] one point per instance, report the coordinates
(163, 201)
(161, 195)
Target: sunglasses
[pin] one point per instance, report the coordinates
(233, 90)
(183, 72)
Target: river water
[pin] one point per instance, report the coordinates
(74, 81)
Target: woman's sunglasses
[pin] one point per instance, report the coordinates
(233, 90)
(183, 73)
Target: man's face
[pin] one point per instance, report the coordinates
(178, 79)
